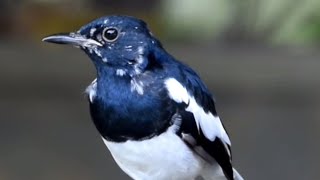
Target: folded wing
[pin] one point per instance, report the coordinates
(201, 128)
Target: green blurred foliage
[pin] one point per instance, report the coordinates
(196, 19)
(276, 21)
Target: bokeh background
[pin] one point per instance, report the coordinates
(260, 58)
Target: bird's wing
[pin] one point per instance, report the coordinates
(201, 127)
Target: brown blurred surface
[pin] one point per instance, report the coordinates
(268, 98)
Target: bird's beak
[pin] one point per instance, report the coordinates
(74, 39)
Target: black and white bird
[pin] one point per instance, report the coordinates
(155, 115)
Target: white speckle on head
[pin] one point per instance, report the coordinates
(104, 59)
(137, 86)
(97, 52)
(99, 37)
(92, 90)
(140, 50)
(90, 43)
(210, 124)
(136, 27)
(120, 72)
(84, 42)
(105, 21)
(137, 70)
(136, 67)
(128, 48)
(92, 31)
(140, 59)
(152, 42)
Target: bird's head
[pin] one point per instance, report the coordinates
(118, 44)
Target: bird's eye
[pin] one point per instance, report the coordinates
(110, 34)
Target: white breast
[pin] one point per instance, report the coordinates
(162, 157)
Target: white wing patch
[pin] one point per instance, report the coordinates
(176, 91)
(210, 125)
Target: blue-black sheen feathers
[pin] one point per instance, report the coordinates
(121, 115)
(130, 99)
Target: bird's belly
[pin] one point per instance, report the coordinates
(162, 157)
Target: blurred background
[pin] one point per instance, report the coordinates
(260, 58)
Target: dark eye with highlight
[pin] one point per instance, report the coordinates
(110, 34)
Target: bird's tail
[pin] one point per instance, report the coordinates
(217, 174)
(236, 175)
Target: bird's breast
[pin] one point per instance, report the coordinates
(164, 156)
(121, 114)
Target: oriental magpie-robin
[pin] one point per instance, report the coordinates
(154, 113)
